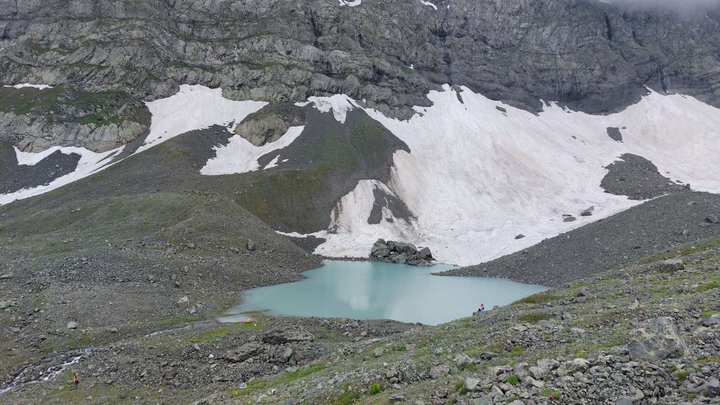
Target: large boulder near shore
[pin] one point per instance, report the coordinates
(657, 340)
(400, 253)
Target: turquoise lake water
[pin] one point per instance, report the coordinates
(374, 290)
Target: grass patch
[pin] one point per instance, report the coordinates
(553, 395)
(708, 287)
(347, 398)
(376, 389)
(684, 251)
(311, 369)
(254, 386)
(517, 350)
(534, 317)
(541, 298)
(169, 322)
(708, 360)
(513, 380)
(216, 335)
(460, 388)
(682, 375)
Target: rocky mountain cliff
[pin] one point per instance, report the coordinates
(590, 56)
(159, 156)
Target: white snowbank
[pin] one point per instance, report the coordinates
(350, 217)
(350, 3)
(427, 3)
(193, 108)
(477, 177)
(240, 156)
(88, 164)
(28, 85)
(339, 104)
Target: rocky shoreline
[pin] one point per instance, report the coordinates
(642, 334)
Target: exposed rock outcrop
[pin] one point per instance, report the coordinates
(35, 120)
(271, 123)
(506, 50)
(401, 253)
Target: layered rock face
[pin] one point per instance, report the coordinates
(588, 55)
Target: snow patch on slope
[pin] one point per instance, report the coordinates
(89, 163)
(193, 108)
(349, 222)
(339, 104)
(240, 156)
(32, 86)
(427, 3)
(477, 177)
(350, 3)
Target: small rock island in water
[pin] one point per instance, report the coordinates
(401, 253)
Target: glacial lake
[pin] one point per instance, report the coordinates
(374, 290)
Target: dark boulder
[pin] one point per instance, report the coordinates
(400, 253)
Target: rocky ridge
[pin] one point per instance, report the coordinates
(587, 55)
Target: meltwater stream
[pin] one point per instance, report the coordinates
(374, 290)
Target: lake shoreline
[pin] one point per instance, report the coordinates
(366, 290)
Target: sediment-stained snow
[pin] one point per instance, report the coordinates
(476, 177)
(240, 156)
(192, 108)
(89, 163)
(28, 85)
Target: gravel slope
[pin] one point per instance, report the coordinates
(655, 226)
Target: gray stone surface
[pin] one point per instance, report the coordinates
(584, 54)
(14, 177)
(657, 340)
(655, 226)
(270, 123)
(615, 134)
(400, 253)
(638, 178)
